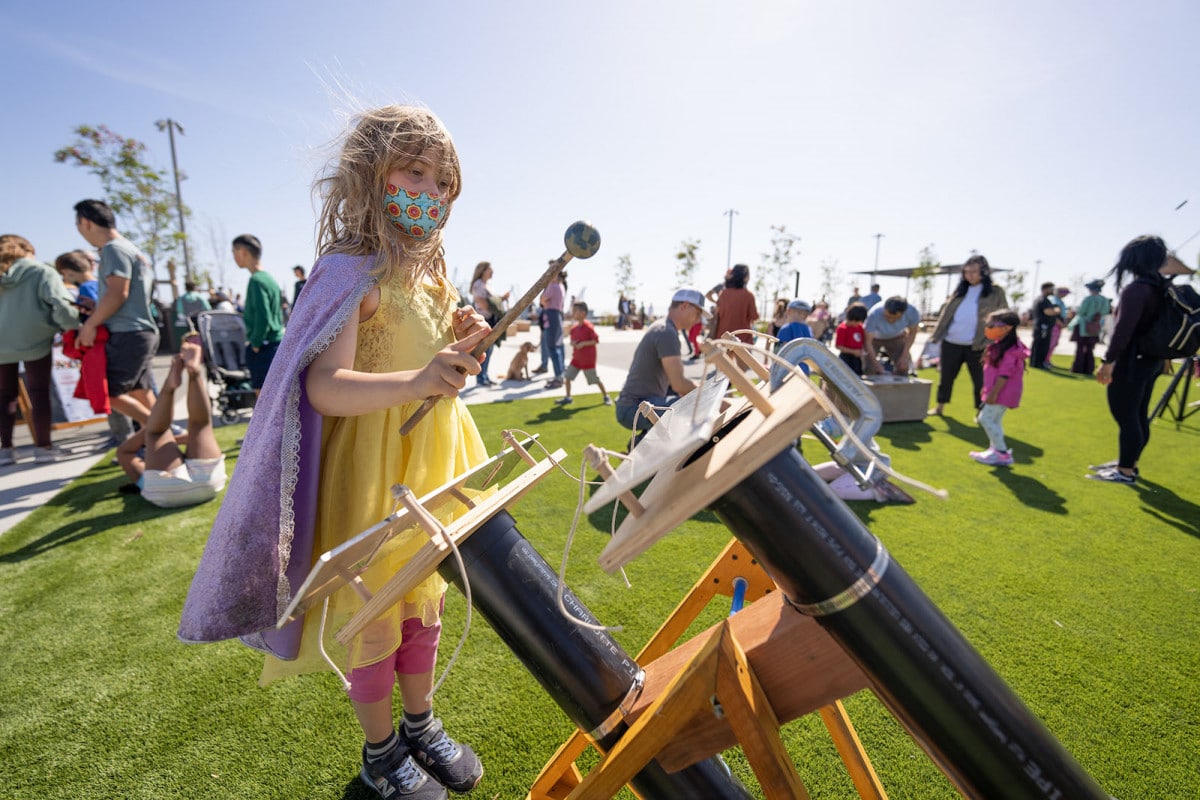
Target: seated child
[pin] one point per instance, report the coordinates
(794, 325)
(168, 476)
(849, 337)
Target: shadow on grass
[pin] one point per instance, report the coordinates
(1030, 491)
(907, 435)
(82, 500)
(357, 790)
(1023, 452)
(1169, 508)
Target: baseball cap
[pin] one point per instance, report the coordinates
(1097, 285)
(689, 295)
(800, 305)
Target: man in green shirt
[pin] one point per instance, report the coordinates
(262, 313)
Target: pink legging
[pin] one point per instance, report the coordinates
(37, 383)
(416, 655)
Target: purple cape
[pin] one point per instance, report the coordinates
(261, 545)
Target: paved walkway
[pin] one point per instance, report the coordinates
(26, 486)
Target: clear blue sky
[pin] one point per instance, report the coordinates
(1025, 130)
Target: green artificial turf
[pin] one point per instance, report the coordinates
(1083, 596)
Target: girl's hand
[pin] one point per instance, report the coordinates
(446, 374)
(1104, 374)
(467, 322)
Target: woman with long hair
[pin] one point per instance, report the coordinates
(736, 307)
(961, 329)
(1128, 374)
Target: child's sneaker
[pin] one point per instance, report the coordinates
(993, 458)
(454, 764)
(8, 456)
(399, 777)
(564, 401)
(607, 400)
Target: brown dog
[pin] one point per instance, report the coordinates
(518, 370)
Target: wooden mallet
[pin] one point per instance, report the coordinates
(582, 241)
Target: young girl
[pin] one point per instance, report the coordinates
(1003, 379)
(849, 337)
(377, 333)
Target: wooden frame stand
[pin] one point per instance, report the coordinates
(714, 681)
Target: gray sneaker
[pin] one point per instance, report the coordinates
(8, 456)
(454, 764)
(47, 455)
(564, 401)
(399, 777)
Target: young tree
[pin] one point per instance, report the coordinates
(685, 270)
(923, 275)
(626, 284)
(831, 279)
(138, 192)
(1014, 287)
(779, 262)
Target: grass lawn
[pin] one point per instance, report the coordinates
(1082, 595)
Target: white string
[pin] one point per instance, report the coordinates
(562, 569)
(833, 411)
(560, 467)
(570, 538)
(321, 646)
(398, 491)
(462, 640)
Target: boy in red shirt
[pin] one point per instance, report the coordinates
(583, 355)
(849, 337)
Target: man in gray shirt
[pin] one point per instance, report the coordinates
(891, 327)
(125, 284)
(656, 374)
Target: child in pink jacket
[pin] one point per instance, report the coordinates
(1003, 380)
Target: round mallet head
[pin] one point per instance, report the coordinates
(582, 240)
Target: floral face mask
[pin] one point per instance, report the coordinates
(418, 214)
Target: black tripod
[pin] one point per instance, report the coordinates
(1183, 378)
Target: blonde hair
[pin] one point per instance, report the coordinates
(353, 220)
(12, 248)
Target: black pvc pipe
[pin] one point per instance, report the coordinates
(972, 724)
(584, 671)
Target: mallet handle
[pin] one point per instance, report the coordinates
(513, 312)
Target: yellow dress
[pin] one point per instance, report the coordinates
(362, 457)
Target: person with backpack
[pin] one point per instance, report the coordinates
(1133, 361)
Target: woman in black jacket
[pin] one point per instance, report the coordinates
(1128, 374)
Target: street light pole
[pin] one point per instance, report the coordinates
(171, 126)
(729, 253)
(875, 269)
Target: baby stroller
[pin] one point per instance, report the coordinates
(223, 337)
